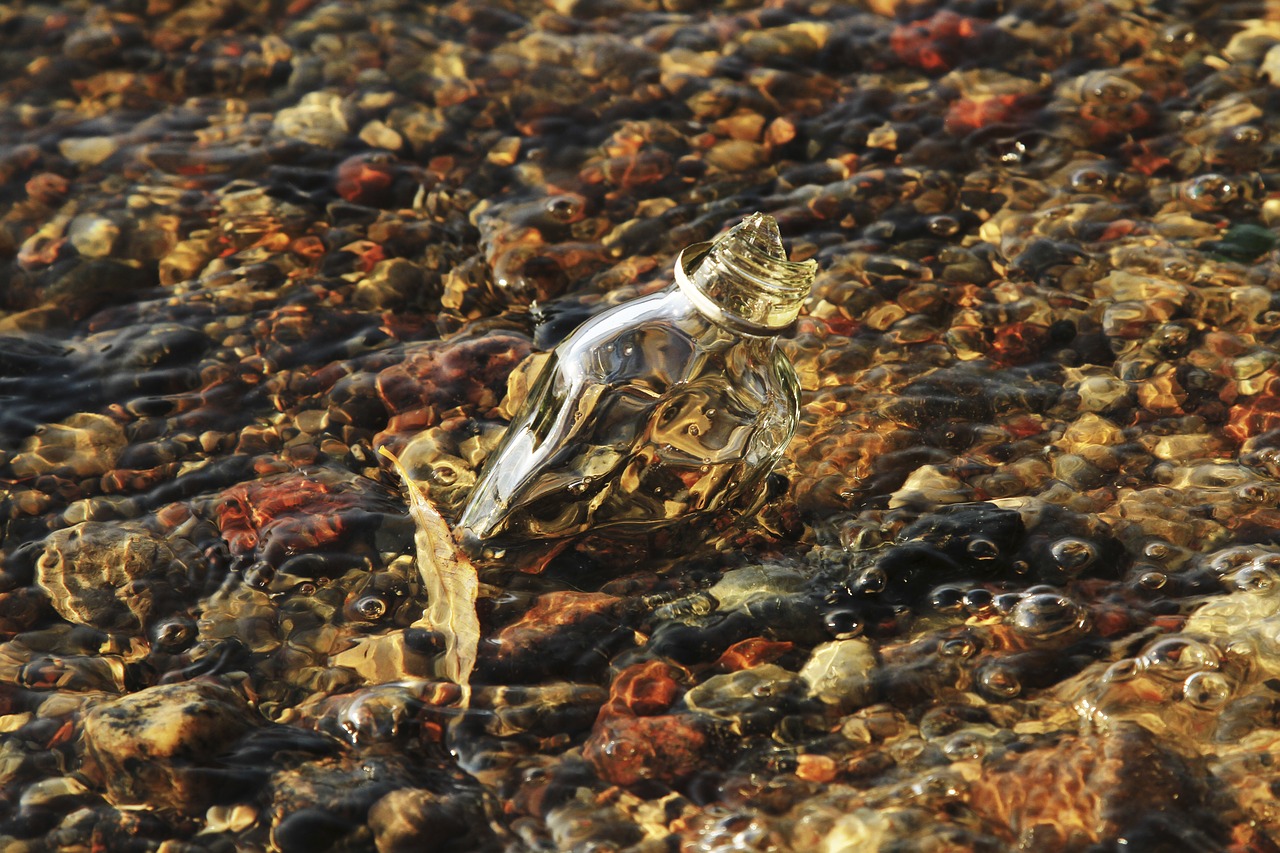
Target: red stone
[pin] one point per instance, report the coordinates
(627, 750)
(293, 512)
(966, 115)
(634, 739)
(440, 377)
(1253, 417)
(936, 43)
(1018, 343)
(631, 170)
(1072, 791)
(645, 689)
(366, 179)
(750, 652)
(47, 188)
(550, 615)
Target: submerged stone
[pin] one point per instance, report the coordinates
(160, 745)
(116, 576)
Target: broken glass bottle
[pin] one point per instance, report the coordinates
(665, 408)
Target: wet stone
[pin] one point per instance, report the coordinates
(411, 820)
(82, 445)
(327, 801)
(842, 673)
(160, 745)
(635, 738)
(545, 709)
(317, 119)
(1102, 801)
(116, 577)
(283, 514)
(88, 151)
(563, 632)
(750, 700)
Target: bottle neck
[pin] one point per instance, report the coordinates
(742, 289)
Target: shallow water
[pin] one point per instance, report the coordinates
(1016, 585)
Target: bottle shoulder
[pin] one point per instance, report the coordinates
(665, 309)
(663, 337)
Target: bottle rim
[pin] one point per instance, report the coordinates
(686, 265)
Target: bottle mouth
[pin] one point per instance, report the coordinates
(744, 279)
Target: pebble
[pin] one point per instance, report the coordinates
(842, 673)
(410, 820)
(378, 135)
(159, 745)
(319, 118)
(88, 151)
(1116, 806)
(749, 700)
(93, 236)
(115, 576)
(84, 444)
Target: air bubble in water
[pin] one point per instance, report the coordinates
(1007, 602)
(999, 682)
(978, 601)
(1177, 657)
(1255, 579)
(872, 580)
(957, 647)
(371, 608)
(1228, 560)
(1074, 555)
(1121, 670)
(947, 599)
(1152, 580)
(1207, 690)
(983, 549)
(1211, 191)
(1089, 179)
(1046, 615)
(843, 623)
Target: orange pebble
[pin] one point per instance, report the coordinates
(816, 768)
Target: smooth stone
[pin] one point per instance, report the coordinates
(114, 576)
(929, 484)
(88, 150)
(155, 747)
(739, 587)
(93, 236)
(1270, 67)
(57, 791)
(750, 700)
(1078, 472)
(1090, 430)
(86, 443)
(1178, 448)
(737, 155)
(1102, 393)
(378, 135)
(310, 830)
(841, 673)
(318, 119)
(412, 820)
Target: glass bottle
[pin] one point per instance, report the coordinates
(664, 408)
